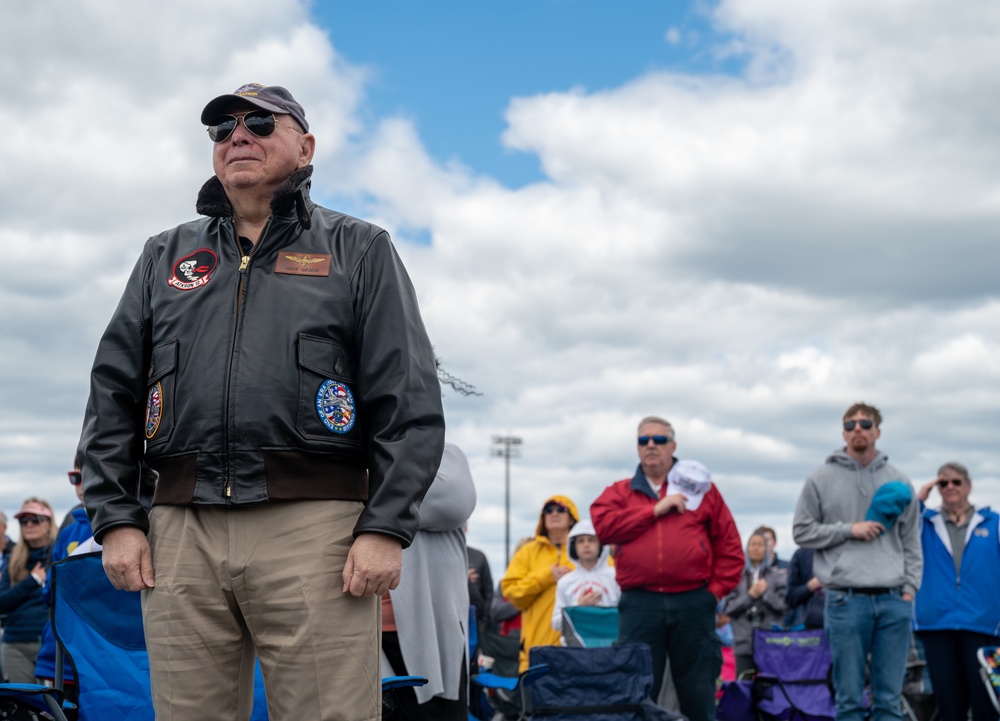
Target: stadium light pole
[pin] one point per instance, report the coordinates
(508, 447)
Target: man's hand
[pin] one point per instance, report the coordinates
(814, 584)
(373, 565)
(907, 597)
(668, 503)
(758, 588)
(473, 575)
(925, 491)
(867, 530)
(127, 558)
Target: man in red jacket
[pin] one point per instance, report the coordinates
(678, 553)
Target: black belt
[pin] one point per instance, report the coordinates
(866, 591)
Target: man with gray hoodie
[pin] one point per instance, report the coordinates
(869, 564)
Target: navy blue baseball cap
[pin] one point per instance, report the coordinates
(268, 97)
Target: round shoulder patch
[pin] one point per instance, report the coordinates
(194, 270)
(154, 410)
(335, 406)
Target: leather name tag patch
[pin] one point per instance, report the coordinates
(297, 263)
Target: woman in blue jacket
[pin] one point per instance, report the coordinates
(21, 591)
(958, 605)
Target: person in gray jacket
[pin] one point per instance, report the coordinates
(430, 607)
(757, 602)
(869, 563)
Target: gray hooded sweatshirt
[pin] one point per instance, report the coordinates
(837, 494)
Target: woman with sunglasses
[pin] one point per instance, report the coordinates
(21, 591)
(531, 578)
(958, 605)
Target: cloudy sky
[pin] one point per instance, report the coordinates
(742, 215)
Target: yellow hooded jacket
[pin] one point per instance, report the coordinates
(528, 583)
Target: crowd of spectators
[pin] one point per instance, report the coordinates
(879, 564)
(878, 567)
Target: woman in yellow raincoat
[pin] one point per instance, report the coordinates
(530, 581)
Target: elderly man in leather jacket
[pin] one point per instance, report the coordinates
(269, 364)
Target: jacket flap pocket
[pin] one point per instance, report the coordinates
(325, 357)
(163, 361)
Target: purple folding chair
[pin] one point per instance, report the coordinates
(793, 681)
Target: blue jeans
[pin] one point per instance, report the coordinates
(858, 625)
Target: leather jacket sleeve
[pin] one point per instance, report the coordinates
(111, 450)
(400, 395)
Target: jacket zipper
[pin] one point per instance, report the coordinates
(240, 291)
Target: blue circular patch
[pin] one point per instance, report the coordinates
(335, 406)
(154, 410)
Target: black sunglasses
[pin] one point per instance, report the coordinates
(554, 508)
(658, 440)
(259, 122)
(31, 520)
(944, 482)
(75, 478)
(865, 423)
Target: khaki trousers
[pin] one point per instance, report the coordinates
(232, 581)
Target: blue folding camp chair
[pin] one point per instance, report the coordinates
(100, 629)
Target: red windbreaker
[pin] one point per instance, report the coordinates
(676, 552)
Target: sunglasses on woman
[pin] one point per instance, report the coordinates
(31, 520)
(259, 122)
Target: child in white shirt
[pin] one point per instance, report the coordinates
(592, 582)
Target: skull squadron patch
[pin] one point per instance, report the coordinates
(335, 406)
(154, 410)
(195, 270)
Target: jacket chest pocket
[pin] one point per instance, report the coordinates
(327, 406)
(160, 393)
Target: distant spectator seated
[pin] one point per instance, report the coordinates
(805, 595)
(758, 601)
(592, 583)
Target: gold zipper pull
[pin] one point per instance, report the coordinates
(244, 262)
